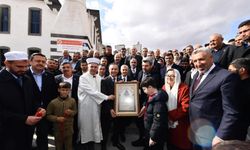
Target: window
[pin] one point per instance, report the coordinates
(32, 50)
(3, 50)
(4, 18)
(35, 21)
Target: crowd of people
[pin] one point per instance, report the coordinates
(193, 99)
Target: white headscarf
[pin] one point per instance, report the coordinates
(173, 95)
(173, 92)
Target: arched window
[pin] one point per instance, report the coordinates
(4, 19)
(3, 50)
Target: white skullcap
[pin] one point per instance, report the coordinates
(93, 61)
(15, 55)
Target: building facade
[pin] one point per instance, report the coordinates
(48, 26)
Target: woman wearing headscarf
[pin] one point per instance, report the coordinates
(178, 105)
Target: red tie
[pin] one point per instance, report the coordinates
(197, 81)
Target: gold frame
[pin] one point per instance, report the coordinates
(130, 90)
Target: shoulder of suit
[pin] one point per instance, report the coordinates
(221, 71)
(58, 76)
(76, 76)
(4, 75)
(106, 78)
(46, 72)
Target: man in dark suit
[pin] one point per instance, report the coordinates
(244, 34)
(65, 58)
(108, 55)
(169, 59)
(242, 51)
(133, 54)
(44, 90)
(220, 50)
(133, 70)
(213, 109)
(68, 76)
(107, 111)
(83, 67)
(17, 107)
(241, 66)
(124, 74)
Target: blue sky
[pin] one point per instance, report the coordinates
(168, 24)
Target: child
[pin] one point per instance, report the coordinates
(155, 116)
(61, 111)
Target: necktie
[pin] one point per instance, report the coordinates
(197, 81)
(133, 71)
(19, 80)
(124, 79)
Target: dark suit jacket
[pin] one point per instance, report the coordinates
(231, 53)
(242, 52)
(128, 78)
(156, 77)
(188, 79)
(134, 76)
(74, 85)
(107, 88)
(137, 57)
(226, 57)
(215, 101)
(16, 104)
(49, 89)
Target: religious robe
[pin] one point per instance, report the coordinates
(90, 98)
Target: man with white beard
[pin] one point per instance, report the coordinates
(90, 99)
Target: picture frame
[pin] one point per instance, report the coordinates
(126, 98)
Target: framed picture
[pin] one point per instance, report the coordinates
(126, 98)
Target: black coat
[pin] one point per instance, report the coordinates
(244, 98)
(48, 92)
(137, 57)
(135, 75)
(226, 57)
(233, 53)
(156, 118)
(128, 78)
(156, 77)
(242, 52)
(188, 78)
(107, 88)
(16, 104)
(74, 85)
(216, 101)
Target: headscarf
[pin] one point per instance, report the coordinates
(173, 95)
(173, 92)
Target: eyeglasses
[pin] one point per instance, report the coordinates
(170, 76)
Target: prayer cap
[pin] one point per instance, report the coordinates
(15, 55)
(93, 61)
